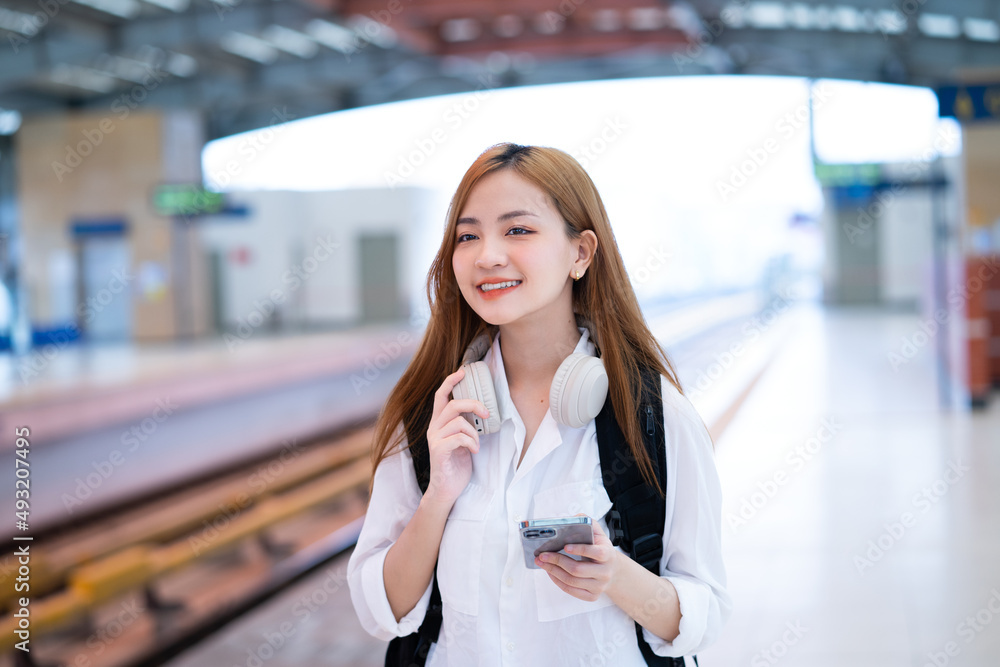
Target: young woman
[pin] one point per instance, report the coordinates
(528, 256)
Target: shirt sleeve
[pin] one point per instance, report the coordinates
(692, 537)
(394, 499)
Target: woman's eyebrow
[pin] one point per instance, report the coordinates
(503, 218)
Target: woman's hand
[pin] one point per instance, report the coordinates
(451, 441)
(582, 579)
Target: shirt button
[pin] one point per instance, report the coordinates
(510, 646)
(518, 518)
(510, 582)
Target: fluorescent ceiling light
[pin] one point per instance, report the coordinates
(606, 20)
(982, 30)
(939, 25)
(13, 21)
(251, 48)
(127, 69)
(460, 30)
(508, 25)
(290, 41)
(181, 64)
(646, 18)
(890, 22)
(126, 9)
(767, 15)
(683, 17)
(333, 36)
(734, 15)
(847, 18)
(800, 16)
(10, 121)
(373, 31)
(83, 77)
(172, 5)
(549, 23)
(823, 18)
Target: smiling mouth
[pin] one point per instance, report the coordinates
(489, 287)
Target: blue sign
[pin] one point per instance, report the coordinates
(110, 227)
(970, 102)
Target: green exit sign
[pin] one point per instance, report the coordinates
(186, 200)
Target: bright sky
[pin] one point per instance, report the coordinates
(710, 169)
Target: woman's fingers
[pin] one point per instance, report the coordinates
(593, 552)
(578, 587)
(457, 406)
(453, 442)
(446, 409)
(441, 396)
(457, 425)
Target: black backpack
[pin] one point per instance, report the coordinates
(635, 520)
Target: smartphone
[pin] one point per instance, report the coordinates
(553, 535)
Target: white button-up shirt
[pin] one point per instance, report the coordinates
(499, 612)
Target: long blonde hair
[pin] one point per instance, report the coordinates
(603, 295)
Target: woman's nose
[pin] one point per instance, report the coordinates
(490, 254)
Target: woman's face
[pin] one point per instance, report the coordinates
(511, 240)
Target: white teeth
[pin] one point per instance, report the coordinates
(489, 287)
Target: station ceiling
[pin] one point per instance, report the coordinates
(248, 63)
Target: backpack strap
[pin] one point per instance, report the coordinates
(637, 510)
(635, 520)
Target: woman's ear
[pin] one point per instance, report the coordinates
(586, 249)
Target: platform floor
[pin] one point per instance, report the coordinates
(869, 533)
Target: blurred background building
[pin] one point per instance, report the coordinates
(216, 220)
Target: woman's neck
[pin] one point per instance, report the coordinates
(533, 351)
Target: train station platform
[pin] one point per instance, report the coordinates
(113, 423)
(854, 504)
(853, 520)
(110, 423)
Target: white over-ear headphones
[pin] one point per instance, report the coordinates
(577, 394)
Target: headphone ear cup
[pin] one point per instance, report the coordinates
(478, 385)
(579, 390)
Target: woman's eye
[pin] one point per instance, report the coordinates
(519, 231)
(464, 236)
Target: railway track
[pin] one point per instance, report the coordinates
(138, 585)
